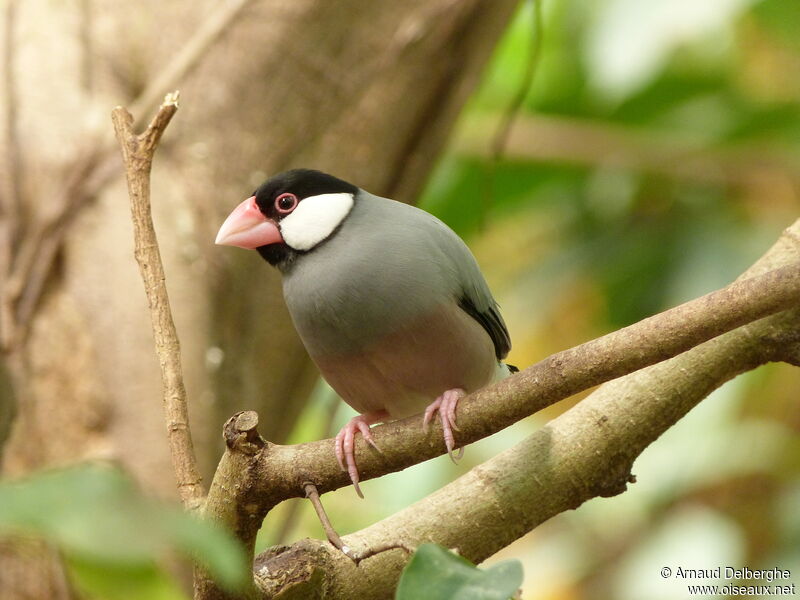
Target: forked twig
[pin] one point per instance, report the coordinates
(356, 556)
(137, 155)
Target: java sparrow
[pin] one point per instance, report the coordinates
(387, 299)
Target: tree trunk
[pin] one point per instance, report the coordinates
(366, 90)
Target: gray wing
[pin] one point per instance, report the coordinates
(475, 298)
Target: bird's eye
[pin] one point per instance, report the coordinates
(286, 203)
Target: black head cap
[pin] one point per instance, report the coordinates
(303, 183)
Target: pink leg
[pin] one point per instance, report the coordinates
(446, 405)
(344, 444)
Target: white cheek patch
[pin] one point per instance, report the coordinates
(314, 219)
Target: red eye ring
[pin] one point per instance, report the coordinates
(286, 203)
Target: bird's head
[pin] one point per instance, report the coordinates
(288, 214)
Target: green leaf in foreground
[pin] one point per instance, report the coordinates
(435, 573)
(114, 582)
(101, 522)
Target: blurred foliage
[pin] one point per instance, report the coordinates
(435, 573)
(646, 240)
(655, 157)
(114, 539)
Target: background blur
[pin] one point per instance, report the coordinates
(655, 157)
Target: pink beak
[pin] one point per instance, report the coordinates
(247, 227)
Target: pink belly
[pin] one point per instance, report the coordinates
(405, 371)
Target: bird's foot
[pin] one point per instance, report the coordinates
(446, 406)
(344, 445)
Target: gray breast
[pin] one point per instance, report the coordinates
(382, 268)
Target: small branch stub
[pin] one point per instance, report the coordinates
(241, 433)
(246, 420)
(137, 155)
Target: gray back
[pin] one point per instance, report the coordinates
(387, 264)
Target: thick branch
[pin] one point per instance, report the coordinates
(235, 472)
(284, 469)
(279, 472)
(137, 155)
(586, 452)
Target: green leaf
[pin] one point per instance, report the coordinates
(435, 573)
(94, 514)
(116, 582)
(210, 545)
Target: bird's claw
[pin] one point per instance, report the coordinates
(446, 406)
(344, 444)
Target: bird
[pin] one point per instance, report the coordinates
(388, 301)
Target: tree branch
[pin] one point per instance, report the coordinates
(284, 469)
(586, 452)
(327, 429)
(235, 472)
(137, 155)
(275, 473)
(333, 536)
